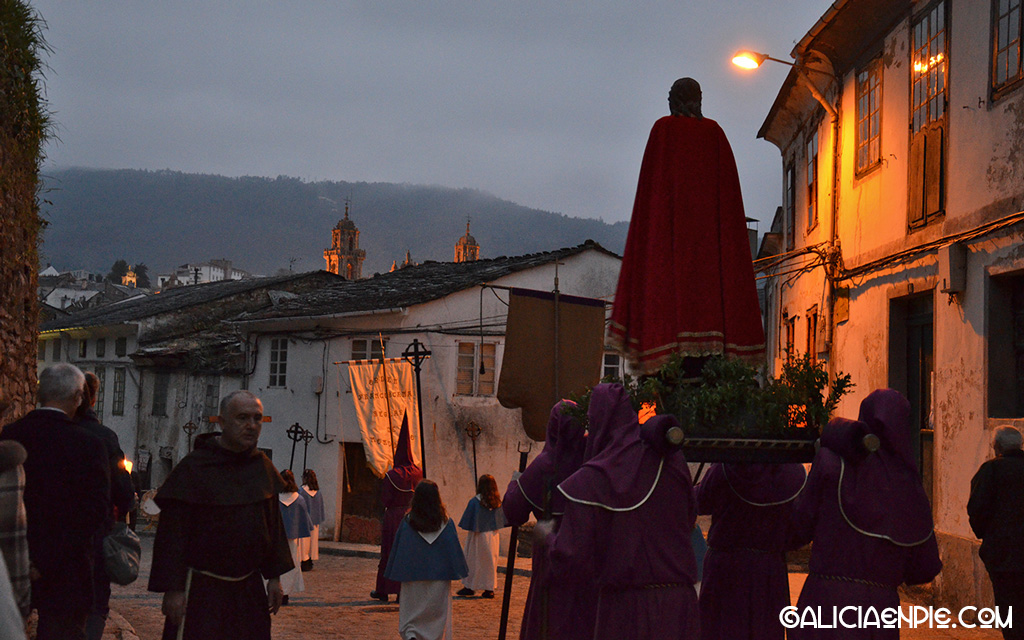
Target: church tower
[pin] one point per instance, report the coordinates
(345, 258)
(466, 248)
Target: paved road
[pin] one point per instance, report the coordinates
(336, 605)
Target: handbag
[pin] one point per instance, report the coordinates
(122, 551)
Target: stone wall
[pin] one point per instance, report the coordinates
(23, 125)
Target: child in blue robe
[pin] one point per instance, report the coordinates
(295, 515)
(482, 519)
(309, 548)
(425, 558)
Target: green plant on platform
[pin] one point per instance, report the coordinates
(732, 400)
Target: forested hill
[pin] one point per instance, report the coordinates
(167, 218)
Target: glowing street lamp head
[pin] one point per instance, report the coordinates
(749, 59)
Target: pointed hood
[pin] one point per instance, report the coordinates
(621, 470)
(880, 494)
(404, 474)
(561, 457)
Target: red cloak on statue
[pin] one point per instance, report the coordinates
(687, 278)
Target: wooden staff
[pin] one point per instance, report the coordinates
(506, 596)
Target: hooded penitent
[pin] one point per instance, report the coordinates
(562, 455)
(881, 495)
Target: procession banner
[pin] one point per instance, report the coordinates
(381, 402)
(528, 370)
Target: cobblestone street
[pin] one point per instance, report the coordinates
(336, 605)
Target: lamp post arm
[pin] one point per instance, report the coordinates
(802, 73)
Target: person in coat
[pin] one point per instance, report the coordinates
(396, 493)
(297, 525)
(309, 548)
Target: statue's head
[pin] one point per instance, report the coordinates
(684, 98)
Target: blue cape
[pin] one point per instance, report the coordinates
(315, 505)
(478, 518)
(296, 519)
(413, 558)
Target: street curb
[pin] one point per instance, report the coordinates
(365, 553)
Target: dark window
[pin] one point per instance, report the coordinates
(812, 180)
(869, 115)
(56, 350)
(117, 408)
(1006, 347)
(789, 330)
(612, 366)
(928, 116)
(278, 362)
(160, 387)
(41, 353)
(1006, 49)
(368, 349)
(121, 347)
(101, 375)
(911, 367)
(83, 347)
(211, 401)
(790, 207)
(812, 333)
(101, 347)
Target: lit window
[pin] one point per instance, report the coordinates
(368, 349)
(928, 116)
(1006, 44)
(789, 330)
(869, 115)
(812, 333)
(812, 180)
(475, 376)
(278, 362)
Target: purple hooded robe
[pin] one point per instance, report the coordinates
(536, 489)
(396, 494)
(621, 546)
(869, 518)
(745, 578)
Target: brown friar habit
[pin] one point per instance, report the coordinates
(219, 517)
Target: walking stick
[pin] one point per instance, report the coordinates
(506, 596)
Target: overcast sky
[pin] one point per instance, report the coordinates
(545, 103)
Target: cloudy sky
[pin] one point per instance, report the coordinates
(545, 103)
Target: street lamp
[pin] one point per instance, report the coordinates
(752, 60)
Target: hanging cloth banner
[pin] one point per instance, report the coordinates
(534, 373)
(381, 403)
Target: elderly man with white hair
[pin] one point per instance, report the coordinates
(67, 488)
(996, 511)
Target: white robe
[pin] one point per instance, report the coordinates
(482, 558)
(425, 610)
(291, 581)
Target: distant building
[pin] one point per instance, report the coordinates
(198, 273)
(345, 258)
(466, 248)
(130, 278)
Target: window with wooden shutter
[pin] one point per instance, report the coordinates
(790, 207)
(925, 184)
(1007, 25)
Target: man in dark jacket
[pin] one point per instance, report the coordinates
(67, 489)
(220, 533)
(996, 511)
(122, 494)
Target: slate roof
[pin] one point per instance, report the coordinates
(413, 285)
(171, 300)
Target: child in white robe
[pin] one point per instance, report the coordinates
(482, 519)
(297, 525)
(425, 558)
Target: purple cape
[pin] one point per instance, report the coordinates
(621, 470)
(535, 490)
(880, 493)
(765, 485)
